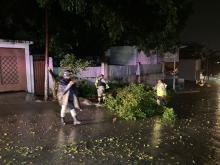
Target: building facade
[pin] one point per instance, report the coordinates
(16, 69)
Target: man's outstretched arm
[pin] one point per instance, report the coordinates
(54, 76)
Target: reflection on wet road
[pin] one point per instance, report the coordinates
(31, 133)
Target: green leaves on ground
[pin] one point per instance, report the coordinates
(169, 116)
(110, 149)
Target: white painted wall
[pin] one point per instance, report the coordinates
(50, 77)
(32, 73)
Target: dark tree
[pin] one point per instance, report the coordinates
(88, 28)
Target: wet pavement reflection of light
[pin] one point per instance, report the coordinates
(31, 132)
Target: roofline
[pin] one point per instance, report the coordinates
(16, 41)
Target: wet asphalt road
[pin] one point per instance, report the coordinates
(31, 133)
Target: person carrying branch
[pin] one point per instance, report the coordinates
(66, 95)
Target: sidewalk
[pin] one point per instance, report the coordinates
(21, 102)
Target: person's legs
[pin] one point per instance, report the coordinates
(159, 100)
(99, 92)
(62, 114)
(163, 101)
(62, 99)
(76, 102)
(73, 114)
(103, 96)
(99, 99)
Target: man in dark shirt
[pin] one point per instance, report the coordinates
(66, 95)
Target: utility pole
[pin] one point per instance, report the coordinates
(207, 68)
(174, 74)
(46, 56)
(177, 56)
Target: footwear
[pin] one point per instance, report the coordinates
(76, 122)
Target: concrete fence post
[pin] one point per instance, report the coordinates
(104, 69)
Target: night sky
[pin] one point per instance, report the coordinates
(203, 25)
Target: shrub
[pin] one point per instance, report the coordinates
(169, 116)
(132, 102)
(85, 89)
(75, 65)
(170, 94)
